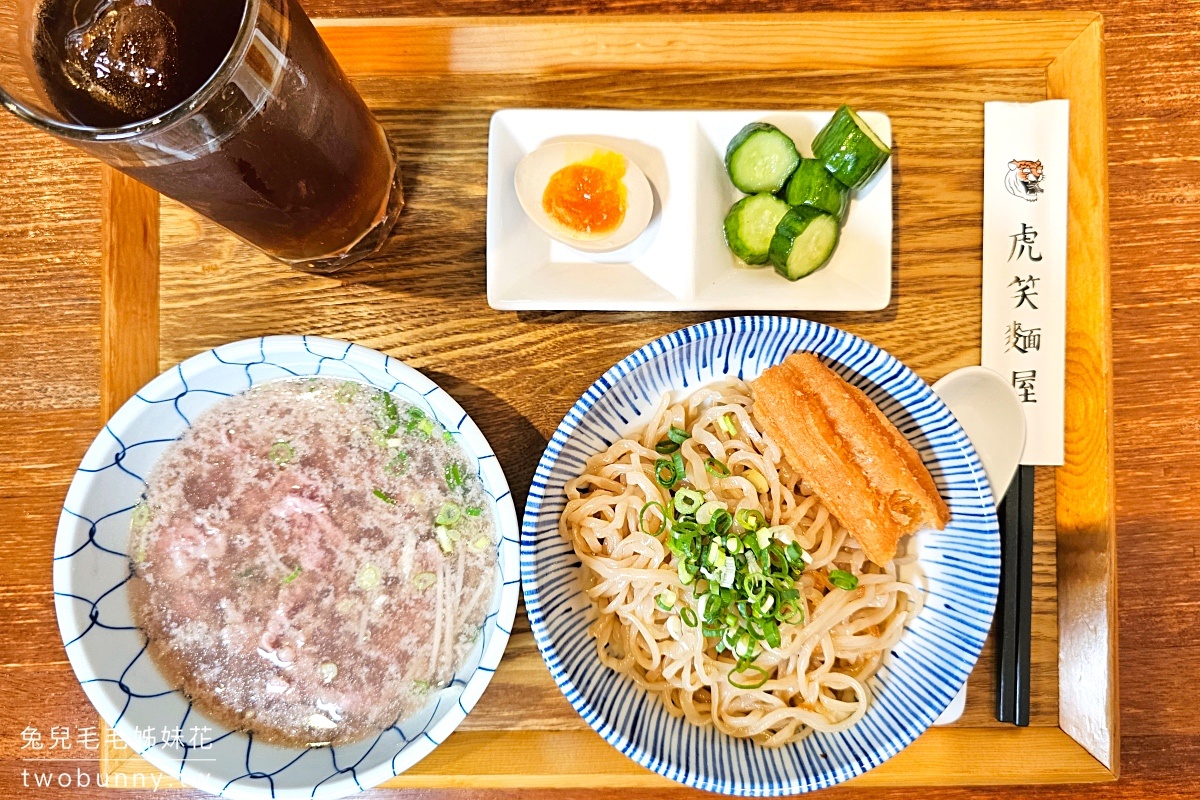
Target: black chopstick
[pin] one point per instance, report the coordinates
(1024, 596)
(1006, 610)
(1014, 616)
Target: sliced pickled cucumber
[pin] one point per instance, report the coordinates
(849, 149)
(760, 158)
(804, 240)
(813, 185)
(751, 223)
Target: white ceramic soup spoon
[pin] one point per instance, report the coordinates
(990, 413)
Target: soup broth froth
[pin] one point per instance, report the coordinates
(312, 558)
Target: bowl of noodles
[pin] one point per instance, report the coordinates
(699, 603)
(286, 568)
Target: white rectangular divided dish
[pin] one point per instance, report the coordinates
(681, 262)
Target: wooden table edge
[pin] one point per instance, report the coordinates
(1089, 706)
(581, 759)
(846, 42)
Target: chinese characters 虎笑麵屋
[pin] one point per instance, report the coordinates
(1018, 337)
(1026, 164)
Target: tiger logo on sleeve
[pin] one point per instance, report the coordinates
(1024, 179)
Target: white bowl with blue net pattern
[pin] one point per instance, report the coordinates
(922, 673)
(107, 650)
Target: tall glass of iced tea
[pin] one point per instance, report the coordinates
(233, 107)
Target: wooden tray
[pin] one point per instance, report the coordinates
(175, 285)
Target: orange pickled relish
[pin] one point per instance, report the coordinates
(588, 197)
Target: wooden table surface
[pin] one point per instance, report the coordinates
(49, 382)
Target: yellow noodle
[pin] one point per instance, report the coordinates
(817, 676)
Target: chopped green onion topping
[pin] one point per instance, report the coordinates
(665, 473)
(391, 414)
(720, 522)
(666, 600)
(791, 613)
(423, 580)
(418, 422)
(447, 437)
(680, 470)
(444, 541)
(755, 676)
(763, 536)
(745, 584)
(642, 518)
(750, 519)
(705, 512)
(688, 501)
(678, 435)
(281, 453)
(689, 617)
(716, 468)
(716, 556)
(389, 405)
(843, 580)
(384, 496)
(754, 586)
(728, 571)
(454, 476)
(666, 446)
(473, 511)
(397, 463)
(481, 543)
(448, 515)
(725, 423)
(291, 576)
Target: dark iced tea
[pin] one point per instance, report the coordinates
(279, 148)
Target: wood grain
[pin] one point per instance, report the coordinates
(1087, 544)
(50, 273)
(128, 289)
(702, 43)
(49, 354)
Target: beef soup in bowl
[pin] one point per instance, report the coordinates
(286, 568)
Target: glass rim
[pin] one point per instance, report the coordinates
(86, 133)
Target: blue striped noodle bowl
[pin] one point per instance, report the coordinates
(961, 565)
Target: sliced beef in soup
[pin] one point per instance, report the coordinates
(311, 559)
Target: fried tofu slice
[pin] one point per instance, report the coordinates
(848, 453)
